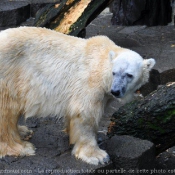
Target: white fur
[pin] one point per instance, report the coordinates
(131, 63)
(48, 73)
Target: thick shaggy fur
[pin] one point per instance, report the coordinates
(43, 73)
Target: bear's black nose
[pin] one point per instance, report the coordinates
(115, 93)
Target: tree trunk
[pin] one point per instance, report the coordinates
(152, 118)
(70, 16)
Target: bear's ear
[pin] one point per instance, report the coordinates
(111, 55)
(149, 63)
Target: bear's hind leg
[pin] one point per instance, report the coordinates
(10, 141)
(24, 132)
(83, 135)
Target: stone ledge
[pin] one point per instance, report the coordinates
(131, 154)
(13, 13)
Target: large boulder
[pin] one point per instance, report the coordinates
(141, 12)
(13, 13)
(131, 155)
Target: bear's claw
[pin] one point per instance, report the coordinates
(106, 159)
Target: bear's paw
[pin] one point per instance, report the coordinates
(92, 155)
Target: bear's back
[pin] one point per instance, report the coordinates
(32, 41)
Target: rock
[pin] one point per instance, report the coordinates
(154, 82)
(168, 76)
(51, 132)
(1, 167)
(157, 79)
(151, 118)
(141, 12)
(130, 154)
(70, 165)
(13, 13)
(126, 12)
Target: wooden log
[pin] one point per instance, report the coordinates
(152, 118)
(70, 16)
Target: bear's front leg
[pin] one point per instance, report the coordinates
(83, 136)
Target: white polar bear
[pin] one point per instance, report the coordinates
(43, 72)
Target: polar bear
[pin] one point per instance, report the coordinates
(43, 72)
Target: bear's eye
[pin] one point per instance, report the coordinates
(129, 75)
(113, 73)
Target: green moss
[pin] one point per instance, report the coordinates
(156, 128)
(168, 116)
(140, 121)
(162, 119)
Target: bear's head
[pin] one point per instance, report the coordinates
(129, 72)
